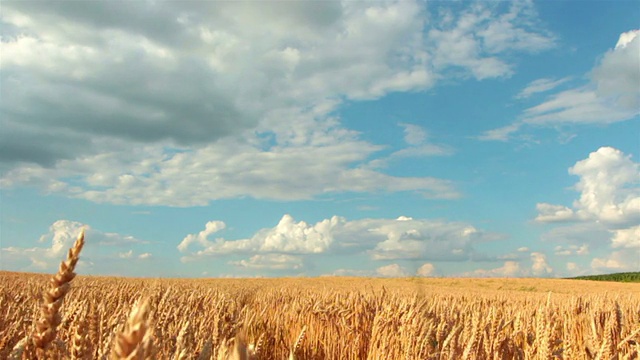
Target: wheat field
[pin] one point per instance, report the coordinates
(61, 317)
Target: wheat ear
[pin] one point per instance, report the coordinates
(296, 345)
(134, 341)
(46, 326)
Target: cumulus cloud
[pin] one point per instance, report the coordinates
(626, 238)
(539, 264)
(608, 187)
(605, 215)
(107, 246)
(608, 191)
(287, 236)
(393, 270)
(535, 265)
(611, 95)
(381, 239)
(201, 238)
(426, 270)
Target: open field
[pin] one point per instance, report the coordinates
(334, 318)
(342, 318)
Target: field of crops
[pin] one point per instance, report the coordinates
(319, 318)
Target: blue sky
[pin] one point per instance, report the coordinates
(241, 139)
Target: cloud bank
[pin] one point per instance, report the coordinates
(403, 238)
(184, 103)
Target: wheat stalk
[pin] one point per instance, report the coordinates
(45, 327)
(134, 341)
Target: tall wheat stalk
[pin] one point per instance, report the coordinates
(46, 326)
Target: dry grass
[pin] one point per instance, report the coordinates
(323, 318)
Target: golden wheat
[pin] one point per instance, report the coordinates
(324, 318)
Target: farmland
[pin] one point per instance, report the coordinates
(319, 318)
(331, 318)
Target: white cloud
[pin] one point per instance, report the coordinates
(126, 255)
(572, 250)
(417, 139)
(626, 38)
(500, 134)
(607, 191)
(144, 91)
(606, 213)
(61, 235)
(611, 95)
(540, 85)
(130, 255)
(553, 213)
(393, 270)
(626, 238)
(607, 180)
(287, 236)
(621, 260)
(508, 269)
(539, 264)
(473, 40)
(422, 151)
(618, 74)
(327, 160)
(577, 106)
(271, 262)
(351, 272)
(535, 265)
(131, 128)
(381, 239)
(201, 238)
(414, 134)
(426, 270)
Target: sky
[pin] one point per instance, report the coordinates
(321, 138)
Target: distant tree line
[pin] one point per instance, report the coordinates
(620, 277)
